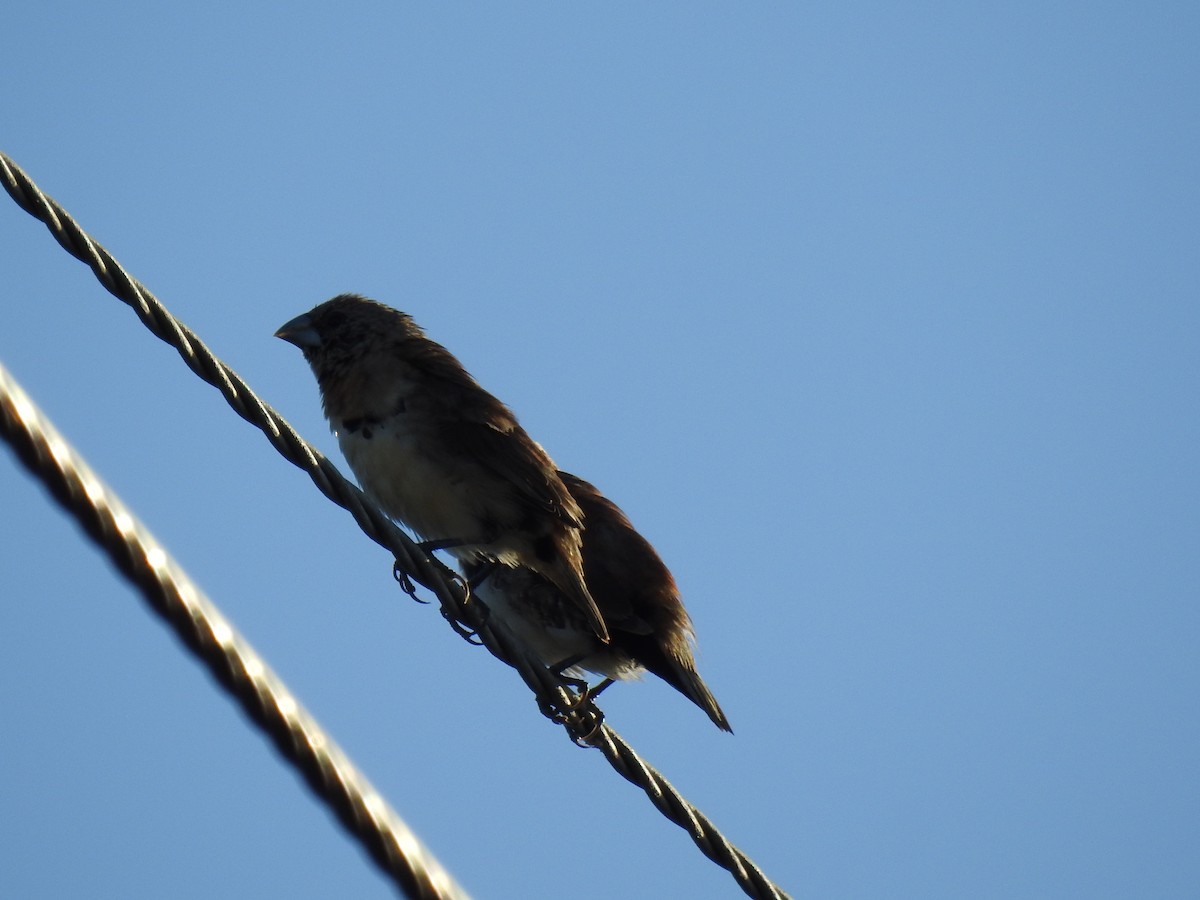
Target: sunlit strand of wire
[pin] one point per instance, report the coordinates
(209, 635)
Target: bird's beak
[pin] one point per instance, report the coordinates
(300, 332)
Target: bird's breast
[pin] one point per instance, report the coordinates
(403, 467)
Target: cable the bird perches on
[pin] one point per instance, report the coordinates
(577, 713)
(231, 660)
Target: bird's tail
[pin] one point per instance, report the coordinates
(685, 679)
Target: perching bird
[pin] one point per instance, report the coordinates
(437, 451)
(647, 623)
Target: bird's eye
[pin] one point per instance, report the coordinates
(332, 320)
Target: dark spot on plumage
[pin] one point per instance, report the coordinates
(366, 425)
(489, 525)
(363, 424)
(545, 548)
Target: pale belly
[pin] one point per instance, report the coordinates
(551, 644)
(437, 501)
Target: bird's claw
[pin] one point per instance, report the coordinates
(406, 583)
(461, 628)
(468, 634)
(573, 709)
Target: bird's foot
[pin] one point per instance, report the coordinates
(573, 707)
(405, 582)
(481, 570)
(594, 692)
(586, 691)
(461, 628)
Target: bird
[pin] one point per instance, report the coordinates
(649, 628)
(436, 451)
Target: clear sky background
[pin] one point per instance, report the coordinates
(881, 321)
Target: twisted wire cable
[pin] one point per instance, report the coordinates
(557, 699)
(232, 661)
(670, 803)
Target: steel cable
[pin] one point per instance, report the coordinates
(557, 698)
(231, 660)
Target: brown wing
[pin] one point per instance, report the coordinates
(631, 584)
(485, 431)
(638, 597)
(514, 457)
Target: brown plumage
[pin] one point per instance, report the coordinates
(648, 626)
(437, 451)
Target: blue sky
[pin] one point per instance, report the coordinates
(880, 321)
